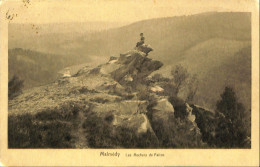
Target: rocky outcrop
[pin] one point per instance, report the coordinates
(164, 105)
(205, 120)
(144, 48)
(157, 89)
(172, 131)
(110, 106)
(191, 117)
(129, 114)
(133, 67)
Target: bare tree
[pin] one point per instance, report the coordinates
(180, 75)
(192, 88)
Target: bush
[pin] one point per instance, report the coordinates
(15, 86)
(82, 90)
(179, 107)
(231, 130)
(85, 90)
(50, 128)
(169, 89)
(99, 100)
(26, 131)
(102, 134)
(128, 139)
(109, 118)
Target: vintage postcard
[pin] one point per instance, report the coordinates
(129, 83)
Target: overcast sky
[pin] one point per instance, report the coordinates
(53, 11)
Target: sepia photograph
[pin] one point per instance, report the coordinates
(128, 75)
(167, 82)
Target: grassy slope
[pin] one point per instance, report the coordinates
(218, 63)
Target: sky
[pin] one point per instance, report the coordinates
(55, 11)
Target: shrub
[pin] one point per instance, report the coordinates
(50, 128)
(186, 135)
(102, 134)
(128, 139)
(26, 131)
(150, 98)
(85, 90)
(15, 86)
(82, 90)
(97, 131)
(179, 107)
(169, 89)
(109, 118)
(99, 100)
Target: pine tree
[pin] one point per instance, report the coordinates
(231, 129)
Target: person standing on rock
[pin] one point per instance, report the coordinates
(141, 42)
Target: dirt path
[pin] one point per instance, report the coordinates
(79, 132)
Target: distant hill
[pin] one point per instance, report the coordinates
(218, 63)
(53, 37)
(37, 68)
(168, 36)
(235, 71)
(207, 44)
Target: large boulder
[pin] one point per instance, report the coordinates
(134, 67)
(173, 132)
(164, 105)
(157, 88)
(120, 124)
(144, 48)
(131, 68)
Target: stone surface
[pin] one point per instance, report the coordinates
(164, 105)
(145, 48)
